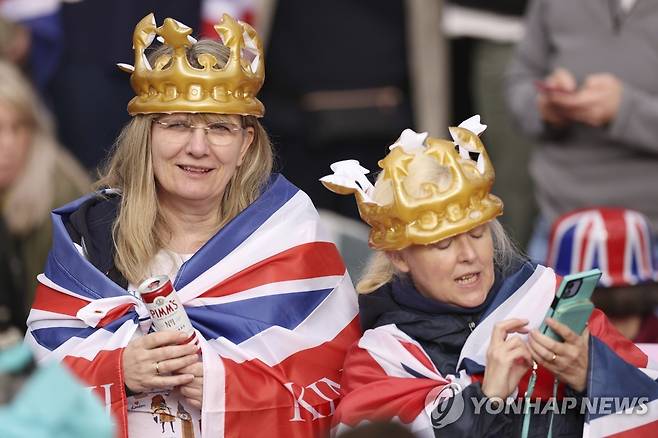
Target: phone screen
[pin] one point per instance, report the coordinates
(571, 305)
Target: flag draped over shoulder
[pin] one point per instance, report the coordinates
(268, 294)
(388, 375)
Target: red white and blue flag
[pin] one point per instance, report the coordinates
(270, 300)
(615, 240)
(388, 375)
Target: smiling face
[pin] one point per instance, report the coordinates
(192, 170)
(458, 270)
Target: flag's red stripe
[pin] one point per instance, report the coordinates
(373, 395)
(253, 383)
(649, 429)
(603, 329)
(615, 246)
(585, 243)
(309, 260)
(207, 30)
(51, 300)
(103, 373)
(115, 314)
(419, 354)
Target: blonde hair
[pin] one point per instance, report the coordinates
(30, 197)
(140, 230)
(422, 170)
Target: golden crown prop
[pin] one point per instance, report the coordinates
(440, 212)
(173, 85)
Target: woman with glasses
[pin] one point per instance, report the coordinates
(188, 192)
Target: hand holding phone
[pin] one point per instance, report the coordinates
(572, 306)
(546, 88)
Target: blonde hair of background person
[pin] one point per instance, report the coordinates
(423, 170)
(42, 174)
(30, 197)
(140, 229)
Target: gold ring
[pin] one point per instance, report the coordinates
(157, 368)
(552, 359)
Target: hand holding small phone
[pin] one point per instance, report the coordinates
(561, 344)
(560, 84)
(547, 88)
(572, 306)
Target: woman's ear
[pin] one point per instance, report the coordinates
(398, 260)
(246, 143)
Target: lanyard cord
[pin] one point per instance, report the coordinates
(527, 405)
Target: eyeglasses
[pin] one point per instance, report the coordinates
(218, 134)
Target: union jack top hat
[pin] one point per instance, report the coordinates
(615, 240)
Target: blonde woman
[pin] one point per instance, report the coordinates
(450, 310)
(188, 192)
(36, 175)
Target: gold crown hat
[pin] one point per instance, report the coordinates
(173, 85)
(461, 204)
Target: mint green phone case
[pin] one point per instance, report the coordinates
(573, 307)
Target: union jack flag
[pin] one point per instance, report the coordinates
(615, 240)
(389, 376)
(268, 295)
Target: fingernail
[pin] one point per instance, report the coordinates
(182, 335)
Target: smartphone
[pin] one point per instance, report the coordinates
(572, 305)
(543, 87)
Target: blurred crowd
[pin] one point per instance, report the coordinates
(569, 92)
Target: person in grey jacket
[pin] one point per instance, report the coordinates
(583, 83)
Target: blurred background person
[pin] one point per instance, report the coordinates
(582, 83)
(87, 91)
(14, 41)
(35, 34)
(482, 35)
(79, 82)
(36, 175)
(619, 242)
(342, 82)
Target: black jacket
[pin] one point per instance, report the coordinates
(12, 291)
(442, 330)
(90, 226)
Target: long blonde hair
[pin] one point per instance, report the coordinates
(423, 169)
(30, 197)
(140, 230)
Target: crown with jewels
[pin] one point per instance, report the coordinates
(172, 84)
(461, 203)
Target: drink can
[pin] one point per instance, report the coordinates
(165, 308)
